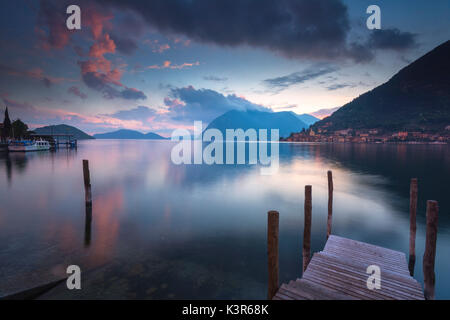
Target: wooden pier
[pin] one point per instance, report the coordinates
(352, 270)
(339, 272)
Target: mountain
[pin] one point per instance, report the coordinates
(287, 122)
(307, 118)
(63, 129)
(416, 98)
(128, 134)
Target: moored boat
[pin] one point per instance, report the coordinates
(29, 145)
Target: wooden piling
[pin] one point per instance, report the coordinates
(307, 228)
(330, 202)
(87, 183)
(430, 249)
(272, 252)
(88, 226)
(412, 225)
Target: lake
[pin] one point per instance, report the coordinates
(166, 231)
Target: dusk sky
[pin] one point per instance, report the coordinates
(154, 66)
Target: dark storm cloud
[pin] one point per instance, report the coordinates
(190, 104)
(124, 45)
(360, 53)
(293, 28)
(392, 39)
(100, 82)
(280, 83)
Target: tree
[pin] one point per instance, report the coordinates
(6, 126)
(19, 128)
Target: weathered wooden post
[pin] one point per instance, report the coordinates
(272, 252)
(430, 249)
(330, 202)
(87, 226)
(412, 225)
(87, 183)
(307, 228)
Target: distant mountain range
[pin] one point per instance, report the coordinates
(308, 119)
(63, 129)
(416, 98)
(129, 134)
(286, 121)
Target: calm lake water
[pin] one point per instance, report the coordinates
(163, 231)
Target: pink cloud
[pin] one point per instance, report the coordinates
(185, 42)
(156, 46)
(97, 19)
(103, 46)
(168, 65)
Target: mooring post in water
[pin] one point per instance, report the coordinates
(87, 226)
(430, 249)
(272, 252)
(307, 228)
(330, 202)
(412, 225)
(87, 183)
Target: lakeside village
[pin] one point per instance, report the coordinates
(375, 135)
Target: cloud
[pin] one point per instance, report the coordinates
(392, 39)
(280, 83)
(138, 113)
(190, 104)
(98, 73)
(132, 94)
(76, 91)
(51, 16)
(294, 28)
(168, 65)
(360, 52)
(124, 45)
(214, 78)
(323, 113)
(156, 46)
(47, 82)
(97, 18)
(51, 22)
(35, 73)
(36, 116)
(340, 86)
(102, 46)
(109, 88)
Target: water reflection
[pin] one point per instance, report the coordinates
(88, 226)
(158, 230)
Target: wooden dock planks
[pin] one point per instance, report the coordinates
(339, 273)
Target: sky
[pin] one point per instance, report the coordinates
(159, 65)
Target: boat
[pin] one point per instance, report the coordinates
(29, 145)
